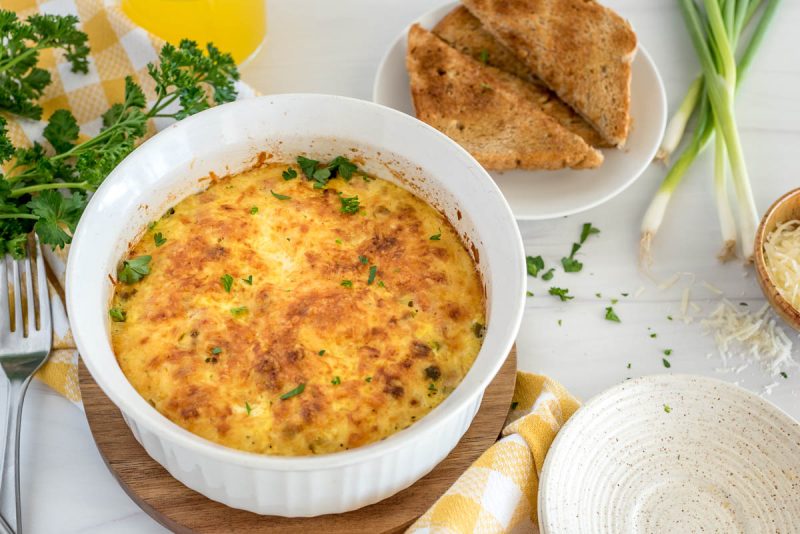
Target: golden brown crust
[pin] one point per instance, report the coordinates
(580, 49)
(489, 112)
(464, 32)
(221, 373)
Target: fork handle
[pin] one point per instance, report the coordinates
(9, 490)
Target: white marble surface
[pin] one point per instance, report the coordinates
(334, 47)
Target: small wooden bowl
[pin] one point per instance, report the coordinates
(784, 209)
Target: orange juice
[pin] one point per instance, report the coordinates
(235, 26)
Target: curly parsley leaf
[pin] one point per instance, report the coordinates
(561, 293)
(62, 130)
(134, 269)
(56, 214)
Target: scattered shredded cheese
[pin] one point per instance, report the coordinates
(782, 253)
(638, 292)
(711, 288)
(753, 336)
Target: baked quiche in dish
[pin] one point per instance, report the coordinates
(297, 309)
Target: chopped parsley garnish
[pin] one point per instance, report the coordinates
(118, 315)
(548, 275)
(784, 375)
(484, 56)
(653, 335)
(629, 365)
(667, 352)
(373, 270)
(227, 282)
(342, 167)
(571, 265)
(339, 166)
(436, 237)
(381, 284)
(347, 283)
(529, 293)
(669, 317)
(666, 363)
(611, 315)
(432, 387)
(486, 87)
(238, 311)
(667, 408)
(289, 174)
(248, 280)
(308, 166)
(321, 353)
(296, 391)
(134, 269)
(368, 379)
(159, 239)
(247, 407)
(588, 230)
(253, 210)
(561, 293)
(559, 322)
(336, 381)
(614, 301)
(279, 196)
(216, 350)
(363, 260)
(534, 265)
(514, 405)
(479, 330)
(624, 294)
(350, 205)
(598, 295)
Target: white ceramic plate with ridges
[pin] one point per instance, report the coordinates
(536, 195)
(673, 453)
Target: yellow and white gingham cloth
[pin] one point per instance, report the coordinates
(492, 496)
(119, 48)
(499, 490)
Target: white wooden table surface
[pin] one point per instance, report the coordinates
(334, 47)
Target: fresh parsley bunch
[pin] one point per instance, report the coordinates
(46, 190)
(21, 81)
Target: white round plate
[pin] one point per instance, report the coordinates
(549, 194)
(673, 453)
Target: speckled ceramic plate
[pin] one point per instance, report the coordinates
(673, 453)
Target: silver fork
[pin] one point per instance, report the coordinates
(22, 352)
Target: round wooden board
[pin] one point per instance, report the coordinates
(182, 510)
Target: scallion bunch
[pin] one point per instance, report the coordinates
(717, 29)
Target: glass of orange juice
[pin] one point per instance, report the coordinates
(235, 26)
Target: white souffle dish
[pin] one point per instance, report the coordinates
(228, 139)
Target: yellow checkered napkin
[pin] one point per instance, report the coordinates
(500, 488)
(119, 48)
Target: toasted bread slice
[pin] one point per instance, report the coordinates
(580, 49)
(487, 111)
(464, 32)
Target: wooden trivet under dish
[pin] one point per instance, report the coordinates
(183, 510)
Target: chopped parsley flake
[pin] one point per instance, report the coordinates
(289, 174)
(432, 387)
(253, 210)
(534, 265)
(653, 335)
(368, 379)
(279, 196)
(296, 391)
(667, 408)
(548, 275)
(514, 405)
(624, 294)
(321, 353)
(373, 270)
(598, 295)
(381, 284)
(216, 350)
(611, 315)
(350, 205)
(784, 375)
(338, 241)
(529, 293)
(248, 280)
(588, 230)
(561, 293)
(667, 352)
(347, 283)
(669, 317)
(629, 365)
(238, 311)
(559, 322)
(484, 56)
(614, 301)
(571, 265)
(363, 260)
(247, 407)
(227, 282)
(134, 269)
(336, 381)
(666, 363)
(159, 239)
(436, 237)
(118, 315)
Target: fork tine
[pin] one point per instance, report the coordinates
(18, 331)
(29, 294)
(43, 290)
(5, 312)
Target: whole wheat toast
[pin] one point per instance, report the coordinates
(487, 111)
(580, 49)
(464, 32)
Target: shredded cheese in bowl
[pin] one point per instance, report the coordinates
(782, 253)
